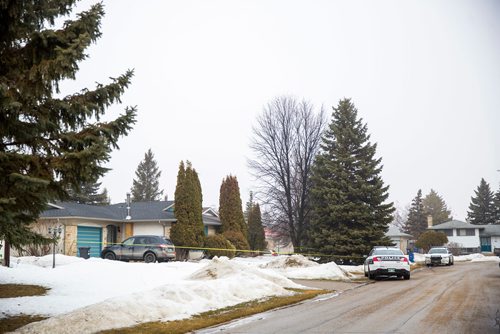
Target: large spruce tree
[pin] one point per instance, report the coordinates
(496, 202)
(416, 223)
(435, 206)
(482, 207)
(256, 234)
(49, 143)
(350, 213)
(88, 193)
(146, 185)
(188, 230)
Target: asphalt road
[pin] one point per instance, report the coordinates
(464, 298)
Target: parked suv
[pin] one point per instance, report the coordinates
(386, 261)
(149, 248)
(439, 255)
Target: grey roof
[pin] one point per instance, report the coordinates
(454, 224)
(139, 211)
(490, 231)
(395, 232)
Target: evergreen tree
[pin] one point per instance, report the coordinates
(435, 206)
(231, 216)
(482, 208)
(496, 202)
(188, 230)
(350, 215)
(49, 143)
(256, 234)
(417, 218)
(147, 183)
(88, 193)
(230, 210)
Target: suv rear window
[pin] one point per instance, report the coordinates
(166, 241)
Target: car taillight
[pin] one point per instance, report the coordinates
(376, 259)
(162, 246)
(404, 259)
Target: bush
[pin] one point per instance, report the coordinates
(430, 239)
(220, 242)
(238, 240)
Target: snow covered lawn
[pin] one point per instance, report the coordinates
(95, 294)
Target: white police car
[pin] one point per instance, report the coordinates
(437, 256)
(386, 261)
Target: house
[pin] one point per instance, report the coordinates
(96, 226)
(400, 239)
(277, 243)
(469, 237)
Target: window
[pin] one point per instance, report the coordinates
(466, 232)
(449, 233)
(206, 230)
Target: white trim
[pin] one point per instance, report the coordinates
(55, 206)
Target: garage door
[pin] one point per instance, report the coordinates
(88, 236)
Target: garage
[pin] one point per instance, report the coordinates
(89, 236)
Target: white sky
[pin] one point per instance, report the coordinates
(424, 75)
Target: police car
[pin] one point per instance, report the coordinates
(386, 261)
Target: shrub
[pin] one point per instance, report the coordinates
(220, 242)
(430, 239)
(238, 240)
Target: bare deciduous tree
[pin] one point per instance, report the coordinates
(286, 141)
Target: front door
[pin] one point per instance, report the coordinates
(485, 244)
(127, 249)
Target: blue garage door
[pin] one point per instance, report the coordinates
(88, 236)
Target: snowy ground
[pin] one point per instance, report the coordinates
(86, 296)
(92, 295)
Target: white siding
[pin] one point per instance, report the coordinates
(466, 241)
(152, 228)
(495, 242)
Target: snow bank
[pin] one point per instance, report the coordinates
(44, 261)
(219, 284)
(299, 267)
(477, 257)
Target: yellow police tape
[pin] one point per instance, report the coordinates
(233, 250)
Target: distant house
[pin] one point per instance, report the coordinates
(400, 239)
(95, 226)
(277, 243)
(470, 238)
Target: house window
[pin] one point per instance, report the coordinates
(466, 232)
(449, 233)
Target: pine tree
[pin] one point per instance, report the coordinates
(496, 202)
(49, 143)
(435, 206)
(350, 215)
(417, 218)
(88, 193)
(147, 183)
(188, 230)
(256, 234)
(482, 208)
(231, 216)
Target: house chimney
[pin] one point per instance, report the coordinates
(128, 207)
(429, 221)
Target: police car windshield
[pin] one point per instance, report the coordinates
(437, 251)
(387, 252)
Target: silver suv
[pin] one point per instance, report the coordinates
(147, 248)
(386, 261)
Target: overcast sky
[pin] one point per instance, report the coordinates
(424, 75)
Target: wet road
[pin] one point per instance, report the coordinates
(464, 298)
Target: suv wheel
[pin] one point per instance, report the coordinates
(149, 257)
(110, 256)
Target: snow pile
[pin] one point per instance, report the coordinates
(353, 271)
(45, 261)
(299, 267)
(293, 261)
(477, 257)
(219, 284)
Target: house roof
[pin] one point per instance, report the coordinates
(454, 224)
(395, 232)
(139, 211)
(490, 231)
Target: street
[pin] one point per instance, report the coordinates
(464, 298)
